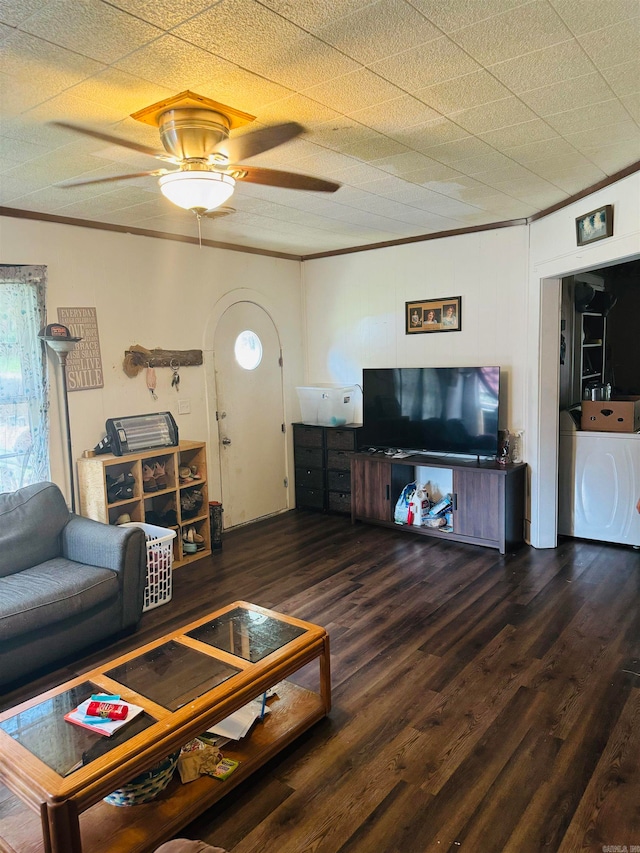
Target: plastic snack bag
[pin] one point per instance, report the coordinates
(401, 513)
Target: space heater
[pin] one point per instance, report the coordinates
(140, 432)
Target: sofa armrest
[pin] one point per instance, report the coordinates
(121, 549)
(96, 544)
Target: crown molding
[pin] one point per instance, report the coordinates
(213, 244)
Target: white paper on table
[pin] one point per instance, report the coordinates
(236, 725)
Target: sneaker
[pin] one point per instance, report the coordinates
(119, 493)
(122, 480)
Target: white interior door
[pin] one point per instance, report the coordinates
(250, 412)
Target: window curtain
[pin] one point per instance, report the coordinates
(24, 419)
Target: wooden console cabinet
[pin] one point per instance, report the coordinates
(145, 506)
(488, 499)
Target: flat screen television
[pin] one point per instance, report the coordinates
(432, 409)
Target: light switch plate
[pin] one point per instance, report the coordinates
(184, 407)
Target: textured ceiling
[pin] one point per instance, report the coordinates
(433, 114)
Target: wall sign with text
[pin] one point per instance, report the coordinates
(84, 364)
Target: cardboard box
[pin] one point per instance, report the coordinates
(619, 415)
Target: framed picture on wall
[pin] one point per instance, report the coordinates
(595, 225)
(434, 315)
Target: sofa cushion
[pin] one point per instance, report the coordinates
(49, 593)
(31, 521)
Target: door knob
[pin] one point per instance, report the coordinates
(226, 441)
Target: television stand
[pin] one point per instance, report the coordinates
(447, 458)
(488, 498)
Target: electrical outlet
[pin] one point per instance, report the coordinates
(184, 407)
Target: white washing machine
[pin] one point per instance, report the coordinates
(599, 484)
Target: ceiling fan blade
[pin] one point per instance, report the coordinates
(288, 180)
(114, 140)
(243, 147)
(86, 181)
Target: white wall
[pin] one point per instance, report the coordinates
(355, 307)
(509, 281)
(156, 293)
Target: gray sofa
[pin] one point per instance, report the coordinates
(66, 582)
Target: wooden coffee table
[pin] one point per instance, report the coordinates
(185, 681)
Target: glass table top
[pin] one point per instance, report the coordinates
(63, 746)
(172, 674)
(246, 634)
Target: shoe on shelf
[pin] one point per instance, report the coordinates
(119, 493)
(148, 481)
(187, 505)
(122, 480)
(159, 474)
(184, 473)
(167, 513)
(190, 502)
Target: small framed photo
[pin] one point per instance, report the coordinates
(595, 225)
(434, 315)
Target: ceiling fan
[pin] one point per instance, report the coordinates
(194, 132)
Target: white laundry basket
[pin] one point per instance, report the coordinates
(159, 563)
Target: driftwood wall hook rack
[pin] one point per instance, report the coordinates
(137, 358)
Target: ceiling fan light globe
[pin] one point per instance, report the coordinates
(197, 189)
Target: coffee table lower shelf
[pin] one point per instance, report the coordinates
(140, 829)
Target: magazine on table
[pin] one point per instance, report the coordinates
(100, 722)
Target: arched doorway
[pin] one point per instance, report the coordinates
(250, 414)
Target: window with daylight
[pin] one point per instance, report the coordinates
(248, 350)
(24, 421)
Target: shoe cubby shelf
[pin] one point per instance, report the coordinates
(166, 487)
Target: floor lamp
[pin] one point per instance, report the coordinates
(60, 340)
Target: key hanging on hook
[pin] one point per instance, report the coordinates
(151, 380)
(175, 379)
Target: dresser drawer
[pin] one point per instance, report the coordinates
(308, 457)
(309, 478)
(338, 481)
(308, 436)
(310, 498)
(339, 502)
(339, 460)
(341, 439)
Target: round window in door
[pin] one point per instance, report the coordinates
(248, 350)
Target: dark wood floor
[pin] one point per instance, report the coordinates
(481, 703)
